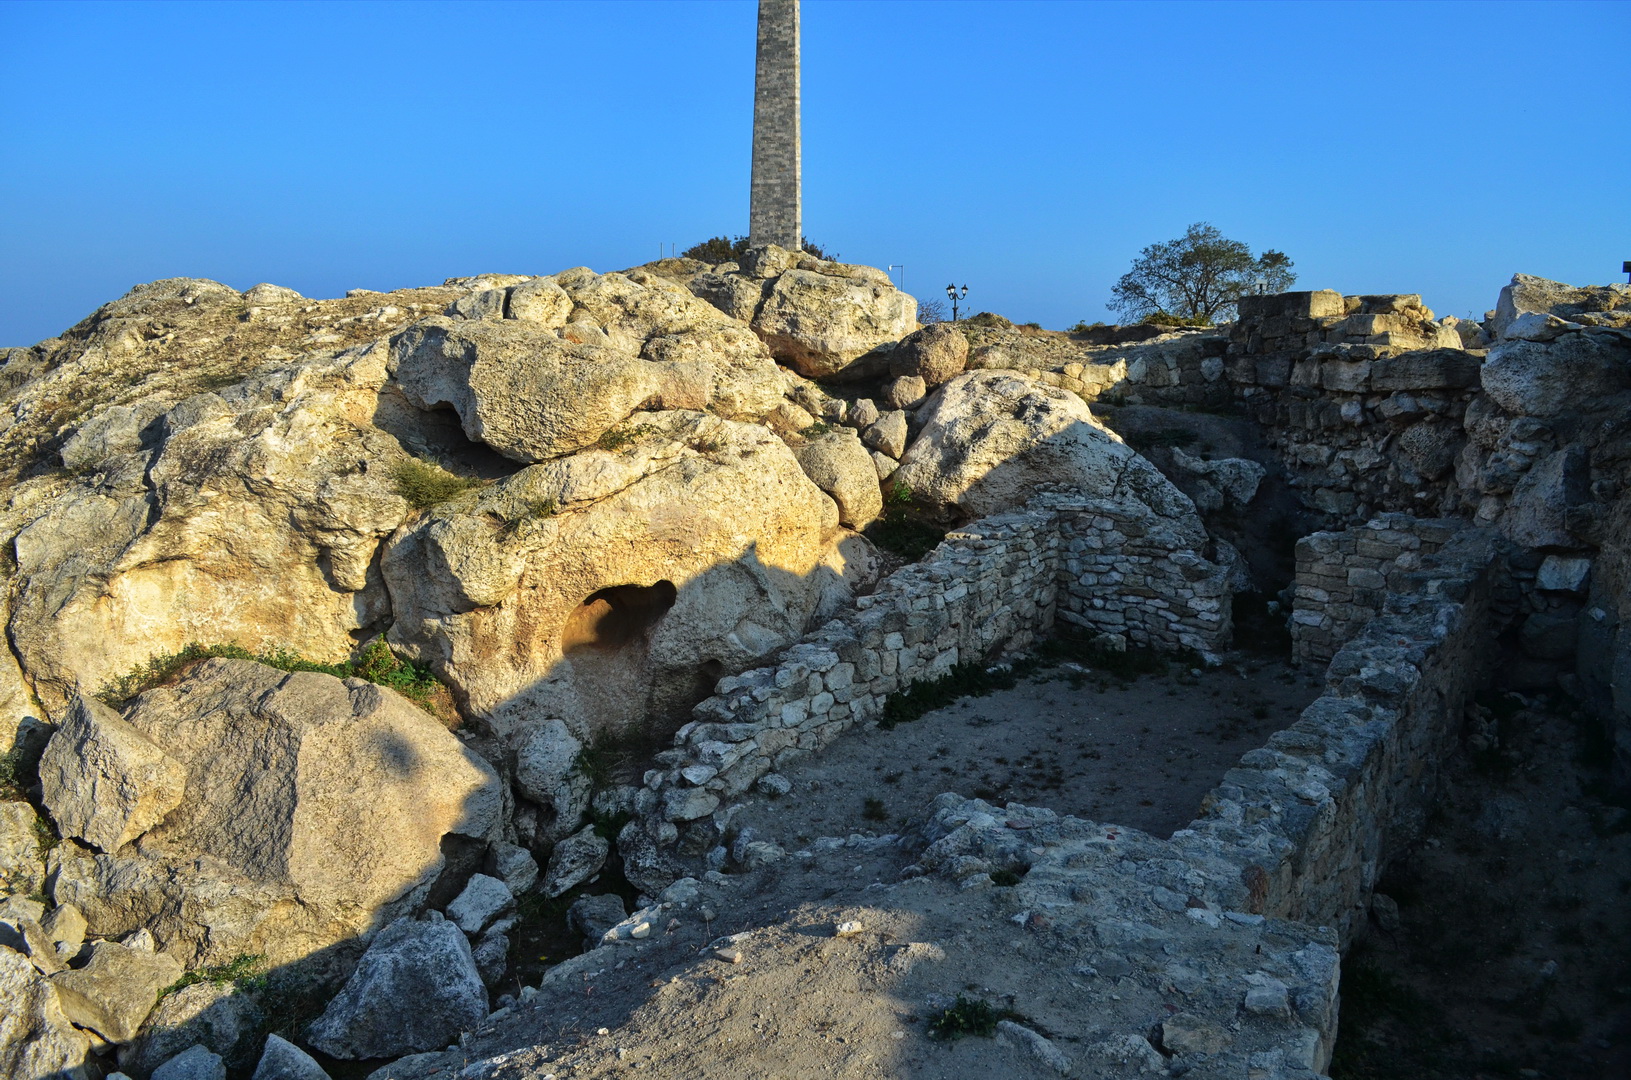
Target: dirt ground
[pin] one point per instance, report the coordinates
(1511, 955)
(1140, 753)
(1508, 959)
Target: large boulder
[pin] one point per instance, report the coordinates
(314, 809)
(283, 1060)
(1578, 371)
(817, 316)
(103, 781)
(36, 1037)
(617, 584)
(251, 515)
(577, 355)
(1604, 305)
(990, 437)
(415, 989)
(217, 1016)
(840, 465)
(936, 353)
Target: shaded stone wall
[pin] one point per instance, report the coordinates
(1343, 578)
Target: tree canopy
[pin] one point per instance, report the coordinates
(1197, 278)
(718, 249)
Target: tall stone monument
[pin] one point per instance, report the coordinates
(775, 206)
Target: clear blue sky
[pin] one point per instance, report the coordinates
(1026, 149)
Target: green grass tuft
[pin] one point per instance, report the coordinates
(376, 664)
(426, 484)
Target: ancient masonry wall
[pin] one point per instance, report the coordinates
(1312, 818)
(989, 590)
(1343, 578)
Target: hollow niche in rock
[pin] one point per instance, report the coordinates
(614, 618)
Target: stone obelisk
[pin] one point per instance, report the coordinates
(775, 208)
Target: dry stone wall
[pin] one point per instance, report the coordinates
(991, 589)
(1343, 578)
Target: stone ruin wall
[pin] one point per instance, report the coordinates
(1344, 578)
(1286, 849)
(991, 589)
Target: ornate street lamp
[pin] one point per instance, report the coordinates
(953, 295)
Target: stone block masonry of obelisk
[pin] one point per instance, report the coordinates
(775, 210)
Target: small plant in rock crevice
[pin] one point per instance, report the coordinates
(904, 528)
(375, 663)
(425, 484)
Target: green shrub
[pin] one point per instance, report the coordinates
(817, 430)
(243, 971)
(622, 438)
(720, 249)
(1087, 327)
(903, 529)
(13, 776)
(968, 1016)
(989, 319)
(426, 484)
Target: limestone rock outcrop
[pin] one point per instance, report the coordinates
(312, 810)
(115, 990)
(616, 583)
(990, 437)
(1592, 305)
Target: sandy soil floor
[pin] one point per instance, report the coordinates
(1141, 753)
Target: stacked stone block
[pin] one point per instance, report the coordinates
(1362, 395)
(1343, 578)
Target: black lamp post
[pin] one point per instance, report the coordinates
(953, 295)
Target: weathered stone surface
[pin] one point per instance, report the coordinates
(695, 548)
(115, 990)
(592, 916)
(283, 1060)
(936, 353)
(839, 464)
(1529, 294)
(483, 900)
(193, 1063)
(513, 865)
(22, 864)
(244, 516)
(217, 1017)
(416, 988)
(103, 781)
(989, 437)
(1576, 372)
(547, 772)
(65, 926)
(313, 808)
(1537, 515)
(822, 321)
(532, 389)
(1236, 479)
(888, 434)
(575, 860)
(36, 1038)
